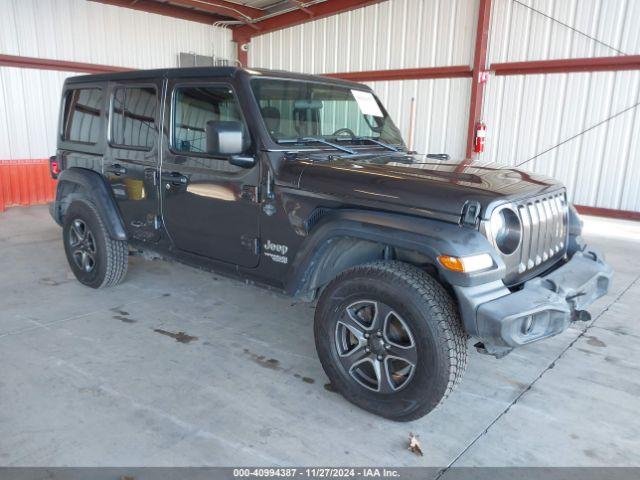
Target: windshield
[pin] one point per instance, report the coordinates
(296, 109)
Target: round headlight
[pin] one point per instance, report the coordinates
(506, 230)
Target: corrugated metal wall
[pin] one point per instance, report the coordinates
(390, 35)
(92, 32)
(25, 182)
(441, 112)
(386, 35)
(527, 115)
(81, 31)
(518, 33)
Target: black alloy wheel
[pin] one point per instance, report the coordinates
(376, 346)
(390, 339)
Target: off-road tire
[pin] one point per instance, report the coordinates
(431, 315)
(111, 256)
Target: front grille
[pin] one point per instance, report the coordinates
(543, 240)
(544, 230)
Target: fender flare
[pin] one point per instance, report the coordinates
(430, 238)
(94, 188)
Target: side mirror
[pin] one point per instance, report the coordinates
(224, 138)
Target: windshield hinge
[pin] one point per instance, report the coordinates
(470, 213)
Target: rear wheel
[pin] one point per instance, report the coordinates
(390, 340)
(94, 257)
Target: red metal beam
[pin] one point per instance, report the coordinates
(164, 9)
(296, 17)
(241, 52)
(479, 66)
(608, 212)
(221, 7)
(630, 62)
(405, 74)
(62, 65)
(300, 5)
(597, 64)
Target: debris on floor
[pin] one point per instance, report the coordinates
(181, 337)
(414, 445)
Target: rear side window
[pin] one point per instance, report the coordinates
(194, 107)
(133, 117)
(82, 110)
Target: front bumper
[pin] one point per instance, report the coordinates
(543, 307)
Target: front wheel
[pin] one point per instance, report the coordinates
(390, 339)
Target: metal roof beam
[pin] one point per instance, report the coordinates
(221, 7)
(165, 9)
(298, 16)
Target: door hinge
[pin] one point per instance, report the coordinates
(249, 192)
(151, 174)
(250, 243)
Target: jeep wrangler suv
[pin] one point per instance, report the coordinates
(303, 184)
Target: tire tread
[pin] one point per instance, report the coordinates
(451, 337)
(117, 251)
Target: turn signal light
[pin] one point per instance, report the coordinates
(474, 263)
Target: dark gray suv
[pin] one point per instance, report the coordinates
(304, 185)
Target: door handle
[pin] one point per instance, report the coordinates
(116, 169)
(174, 178)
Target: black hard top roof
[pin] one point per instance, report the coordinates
(194, 72)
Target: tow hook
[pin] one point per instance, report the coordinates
(550, 285)
(581, 316)
(494, 351)
(593, 255)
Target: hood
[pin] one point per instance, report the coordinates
(435, 188)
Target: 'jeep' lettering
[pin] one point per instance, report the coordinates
(276, 252)
(274, 247)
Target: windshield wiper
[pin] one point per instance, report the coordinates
(318, 140)
(393, 148)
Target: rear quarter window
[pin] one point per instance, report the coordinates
(133, 117)
(82, 115)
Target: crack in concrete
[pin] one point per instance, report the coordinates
(542, 373)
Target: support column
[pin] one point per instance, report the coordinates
(479, 66)
(242, 44)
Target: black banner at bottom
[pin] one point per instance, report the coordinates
(304, 473)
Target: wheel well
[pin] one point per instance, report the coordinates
(343, 253)
(78, 183)
(67, 193)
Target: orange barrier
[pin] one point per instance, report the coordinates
(25, 182)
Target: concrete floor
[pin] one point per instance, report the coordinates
(96, 378)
